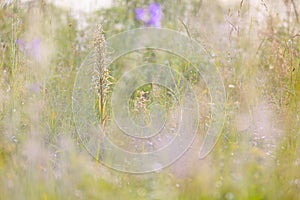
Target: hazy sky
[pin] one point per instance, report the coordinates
(80, 5)
(85, 6)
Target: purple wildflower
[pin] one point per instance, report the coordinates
(150, 16)
(140, 14)
(36, 49)
(30, 48)
(35, 87)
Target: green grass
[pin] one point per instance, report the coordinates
(257, 156)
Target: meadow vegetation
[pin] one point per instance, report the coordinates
(256, 48)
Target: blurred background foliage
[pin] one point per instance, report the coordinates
(255, 45)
